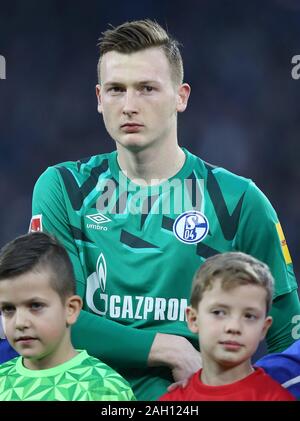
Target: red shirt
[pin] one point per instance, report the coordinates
(258, 386)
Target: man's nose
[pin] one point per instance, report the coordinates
(130, 102)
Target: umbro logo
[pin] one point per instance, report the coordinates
(98, 218)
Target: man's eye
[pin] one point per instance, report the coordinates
(147, 88)
(115, 89)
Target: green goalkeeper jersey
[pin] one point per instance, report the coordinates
(82, 378)
(135, 250)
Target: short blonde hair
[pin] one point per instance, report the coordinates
(234, 269)
(138, 35)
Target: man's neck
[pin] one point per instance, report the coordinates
(151, 166)
(214, 374)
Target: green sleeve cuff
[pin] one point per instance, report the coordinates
(113, 343)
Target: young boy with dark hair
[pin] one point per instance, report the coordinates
(38, 306)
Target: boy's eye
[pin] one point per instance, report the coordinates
(7, 310)
(250, 316)
(36, 306)
(218, 312)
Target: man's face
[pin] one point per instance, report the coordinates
(138, 98)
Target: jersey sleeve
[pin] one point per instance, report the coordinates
(260, 235)
(99, 336)
(284, 367)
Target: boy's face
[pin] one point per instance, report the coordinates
(230, 323)
(138, 98)
(35, 320)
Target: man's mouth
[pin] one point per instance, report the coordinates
(131, 127)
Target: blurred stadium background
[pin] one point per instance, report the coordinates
(243, 112)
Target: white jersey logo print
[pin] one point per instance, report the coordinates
(98, 218)
(95, 281)
(127, 307)
(101, 271)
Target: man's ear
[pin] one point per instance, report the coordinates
(192, 319)
(183, 94)
(73, 307)
(267, 324)
(98, 95)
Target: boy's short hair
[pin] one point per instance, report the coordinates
(233, 269)
(138, 35)
(39, 252)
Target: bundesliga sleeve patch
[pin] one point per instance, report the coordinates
(36, 224)
(284, 247)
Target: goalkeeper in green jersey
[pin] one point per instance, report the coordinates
(139, 221)
(38, 306)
